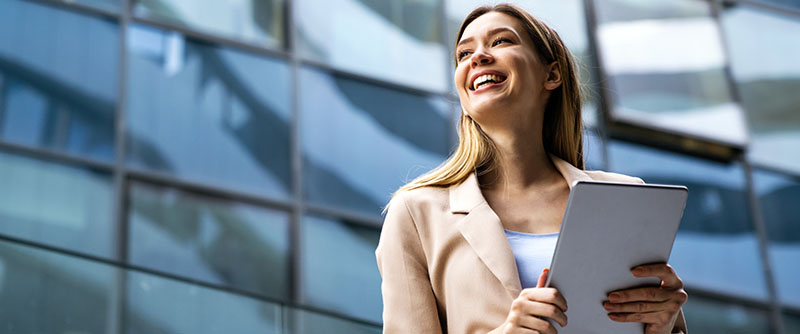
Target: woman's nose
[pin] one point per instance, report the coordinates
(481, 58)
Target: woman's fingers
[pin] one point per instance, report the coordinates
(526, 323)
(669, 279)
(650, 294)
(545, 295)
(543, 278)
(658, 318)
(642, 307)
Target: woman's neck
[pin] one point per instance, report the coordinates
(520, 163)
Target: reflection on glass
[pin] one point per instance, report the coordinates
(159, 305)
(764, 50)
(112, 5)
(362, 142)
(593, 151)
(713, 317)
(716, 248)
(304, 322)
(566, 17)
(666, 66)
(254, 21)
(395, 40)
(56, 205)
(45, 292)
(57, 90)
(220, 242)
(338, 267)
(208, 114)
(779, 197)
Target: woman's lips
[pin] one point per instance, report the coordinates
(488, 87)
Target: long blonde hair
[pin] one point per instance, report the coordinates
(562, 129)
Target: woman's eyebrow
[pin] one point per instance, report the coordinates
(491, 32)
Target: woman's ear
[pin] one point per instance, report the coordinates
(553, 78)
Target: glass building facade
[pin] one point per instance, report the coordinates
(220, 166)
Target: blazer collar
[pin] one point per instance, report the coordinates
(483, 230)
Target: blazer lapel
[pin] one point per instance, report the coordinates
(483, 230)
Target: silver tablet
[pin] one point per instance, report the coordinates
(609, 228)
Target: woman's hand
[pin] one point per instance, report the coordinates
(657, 307)
(531, 306)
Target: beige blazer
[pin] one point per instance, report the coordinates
(446, 264)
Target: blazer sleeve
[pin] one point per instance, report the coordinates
(409, 305)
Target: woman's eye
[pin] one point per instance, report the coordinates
(501, 40)
(463, 54)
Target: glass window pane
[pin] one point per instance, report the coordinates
(567, 17)
(112, 5)
(220, 242)
(305, 322)
(254, 21)
(159, 305)
(338, 267)
(58, 90)
(656, 82)
(57, 205)
(46, 292)
(716, 248)
(779, 197)
(208, 114)
(791, 322)
(394, 40)
(361, 142)
(710, 316)
(764, 50)
(593, 151)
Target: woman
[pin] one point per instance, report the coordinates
(444, 255)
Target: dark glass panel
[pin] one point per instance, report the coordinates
(46, 292)
(710, 316)
(361, 142)
(221, 242)
(338, 267)
(716, 248)
(305, 322)
(655, 81)
(255, 21)
(159, 305)
(394, 40)
(57, 205)
(779, 196)
(791, 322)
(764, 51)
(208, 114)
(58, 79)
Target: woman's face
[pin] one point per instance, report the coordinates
(499, 79)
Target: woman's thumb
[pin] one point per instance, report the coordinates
(543, 278)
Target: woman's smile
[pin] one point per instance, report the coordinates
(486, 80)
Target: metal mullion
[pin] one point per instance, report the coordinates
(206, 190)
(56, 157)
(349, 216)
(761, 231)
(79, 8)
(604, 100)
(212, 38)
(295, 238)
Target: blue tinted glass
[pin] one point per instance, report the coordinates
(57, 205)
(791, 322)
(655, 82)
(362, 142)
(112, 5)
(45, 292)
(220, 242)
(158, 305)
(338, 267)
(395, 40)
(779, 197)
(208, 114)
(763, 51)
(255, 21)
(58, 90)
(716, 248)
(593, 151)
(305, 322)
(708, 316)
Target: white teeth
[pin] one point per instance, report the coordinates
(483, 78)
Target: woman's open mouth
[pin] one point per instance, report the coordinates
(487, 81)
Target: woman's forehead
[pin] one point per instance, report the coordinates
(489, 22)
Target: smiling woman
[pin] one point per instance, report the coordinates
(444, 255)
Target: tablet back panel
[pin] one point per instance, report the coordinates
(609, 228)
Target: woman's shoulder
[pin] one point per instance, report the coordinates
(422, 197)
(599, 175)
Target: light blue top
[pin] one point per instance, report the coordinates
(533, 253)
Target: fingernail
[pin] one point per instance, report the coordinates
(546, 269)
(607, 305)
